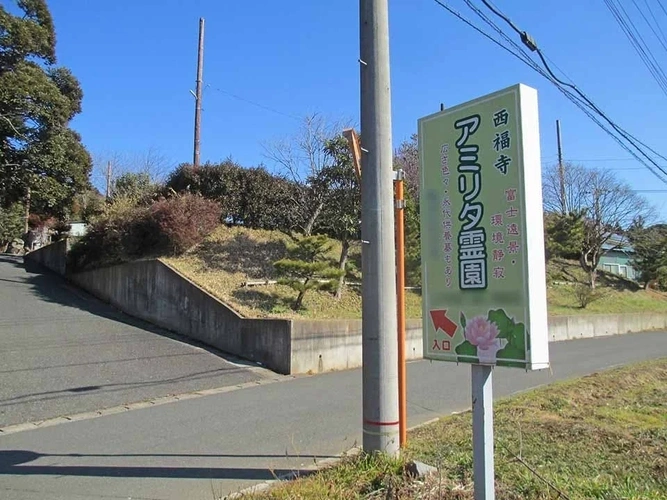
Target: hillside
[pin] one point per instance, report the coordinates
(232, 256)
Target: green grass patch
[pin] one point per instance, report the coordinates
(233, 255)
(603, 436)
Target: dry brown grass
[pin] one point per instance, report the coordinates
(230, 256)
(233, 255)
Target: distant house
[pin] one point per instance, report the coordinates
(617, 259)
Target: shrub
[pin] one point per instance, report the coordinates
(34, 221)
(250, 197)
(585, 295)
(60, 230)
(184, 221)
(126, 231)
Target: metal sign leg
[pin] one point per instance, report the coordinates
(482, 432)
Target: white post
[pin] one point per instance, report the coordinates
(482, 432)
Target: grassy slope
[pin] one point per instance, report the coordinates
(231, 256)
(617, 295)
(602, 436)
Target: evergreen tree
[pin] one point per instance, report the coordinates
(38, 151)
(307, 267)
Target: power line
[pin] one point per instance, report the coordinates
(662, 6)
(545, 159)
(631, 32)
(254, 103)
(580, 99)
(480, 31)
(657, 24)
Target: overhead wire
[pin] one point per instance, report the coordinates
(480, 31)
(642, 49)
(661, 37)
(662, 6)
(581, 100)
(254, 103)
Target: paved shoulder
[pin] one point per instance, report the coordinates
(63, 352)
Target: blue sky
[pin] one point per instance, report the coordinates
(136, 61)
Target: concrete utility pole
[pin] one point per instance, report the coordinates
(379, 321)
(198, 91)
(561, 170)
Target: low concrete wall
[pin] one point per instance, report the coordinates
(325, 345)
(336, 345)
(53, 256)
(601, 325)
(154, 292)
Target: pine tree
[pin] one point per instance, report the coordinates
(307, 268)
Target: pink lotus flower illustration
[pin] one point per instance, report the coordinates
(483, 333)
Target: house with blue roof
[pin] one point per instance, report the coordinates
(617, 259)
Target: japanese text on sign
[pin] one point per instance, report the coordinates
(471, 237)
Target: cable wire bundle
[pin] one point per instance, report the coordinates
(638, 149)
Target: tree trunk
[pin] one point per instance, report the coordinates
(299, 300)
(589, 264)
(342, 262)
(308, 228)
(592, 278)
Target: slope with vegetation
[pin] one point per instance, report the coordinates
(233, 256)
(265, 217)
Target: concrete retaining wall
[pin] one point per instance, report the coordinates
(324, 345)
(335, 345)
(154, 292)
(53, 256)
(600, 325)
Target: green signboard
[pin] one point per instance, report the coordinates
(484, 289)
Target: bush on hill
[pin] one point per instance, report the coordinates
(127, 231)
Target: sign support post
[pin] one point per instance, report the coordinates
(482, 431)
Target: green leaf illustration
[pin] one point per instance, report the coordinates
(511, 364)
(511, 352)
(513, 332)
(463, 321)
(466, 349)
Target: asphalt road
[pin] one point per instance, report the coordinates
(63, 352)
(204, 447)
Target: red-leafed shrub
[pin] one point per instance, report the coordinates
(127, 231)
(184, 221)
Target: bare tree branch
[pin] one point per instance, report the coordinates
(607, 205)
(12, 126)
(301, 158)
